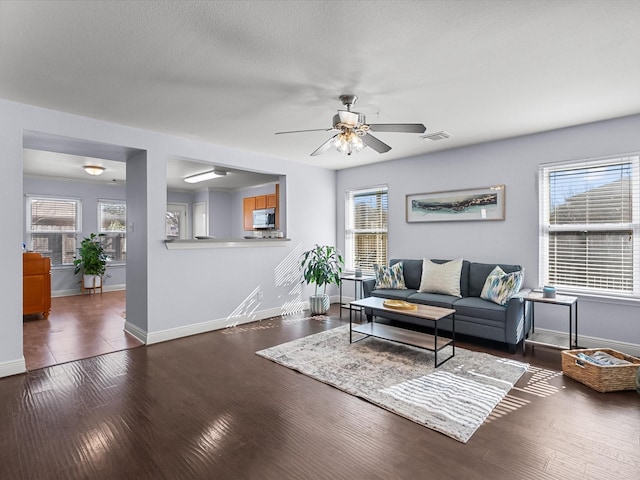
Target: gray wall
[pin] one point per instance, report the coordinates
(169, 292)
(513, 162)
(220, 214)
(63, 280)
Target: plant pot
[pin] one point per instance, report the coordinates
(92, 281)
(319, 304)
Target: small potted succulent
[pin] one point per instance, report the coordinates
(321, 265)
(92, 261)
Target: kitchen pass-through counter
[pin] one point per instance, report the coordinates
(225, 243)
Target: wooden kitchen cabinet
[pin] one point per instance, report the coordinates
(261, 201)
(266, 201)
(248, 206)
(36, 284)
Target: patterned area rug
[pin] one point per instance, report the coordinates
(453, 399)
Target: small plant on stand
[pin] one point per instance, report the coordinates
(321, 265)
(92, 261)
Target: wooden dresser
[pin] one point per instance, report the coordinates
(36, 284)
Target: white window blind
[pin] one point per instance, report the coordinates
(366, 228)
(589, 225)
(52, 224)
(112, 224)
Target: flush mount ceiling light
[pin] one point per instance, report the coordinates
(201, 177)
(94, 170)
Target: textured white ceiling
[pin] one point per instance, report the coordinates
(235, 72)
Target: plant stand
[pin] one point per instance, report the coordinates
(93, 287)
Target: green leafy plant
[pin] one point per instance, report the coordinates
(322, 265)
(92, 257)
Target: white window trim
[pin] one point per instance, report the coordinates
(100, 201)
(99, 212)
(544, 228)
(349, 231)
(29, 197)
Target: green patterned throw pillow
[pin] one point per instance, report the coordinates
(390, 277)
(499, 286)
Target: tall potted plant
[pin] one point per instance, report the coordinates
(321, 265)
(92, 261)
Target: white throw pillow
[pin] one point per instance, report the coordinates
(441, 277)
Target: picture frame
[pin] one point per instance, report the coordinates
(482, 203)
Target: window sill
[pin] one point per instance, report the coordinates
(600, 297)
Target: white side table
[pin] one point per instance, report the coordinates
(562, 300)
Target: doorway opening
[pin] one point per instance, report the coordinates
(60, 171)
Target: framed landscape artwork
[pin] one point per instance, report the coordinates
(484, 203)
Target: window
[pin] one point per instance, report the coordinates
(590, 226)
(112, 221)
(366, 228)
(52, 224)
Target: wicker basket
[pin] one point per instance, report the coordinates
(609, 378)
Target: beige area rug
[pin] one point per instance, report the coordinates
(454, 399)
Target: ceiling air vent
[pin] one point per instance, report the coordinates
(435, 136)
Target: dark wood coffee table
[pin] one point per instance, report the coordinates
(433, 343)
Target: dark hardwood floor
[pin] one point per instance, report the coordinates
(207, 407)
(79, 326)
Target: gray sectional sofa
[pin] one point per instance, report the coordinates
(474, 316)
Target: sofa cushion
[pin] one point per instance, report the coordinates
(478, 273)
(393, 293)
(500, 286)
(435, 299)
(441, 277)
(389, 277)
(412, 270)
(479, 309)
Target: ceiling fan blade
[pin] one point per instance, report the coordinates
(397, 127)
(324, 147)
(379, 146)
(302, 131)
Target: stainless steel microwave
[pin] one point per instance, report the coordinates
(264, 218)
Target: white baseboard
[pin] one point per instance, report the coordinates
(595, 342)
(211, 325)
(135, 332)
(217, 324)
(197, 328)
(13, 367)
(78, 291)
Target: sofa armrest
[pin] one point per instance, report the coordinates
(518, 320)
(368, 286)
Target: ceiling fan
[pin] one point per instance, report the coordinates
(354, 133)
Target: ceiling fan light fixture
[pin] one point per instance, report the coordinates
(353, 131)
(348, 142)
(208, 175)
(94, 170)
